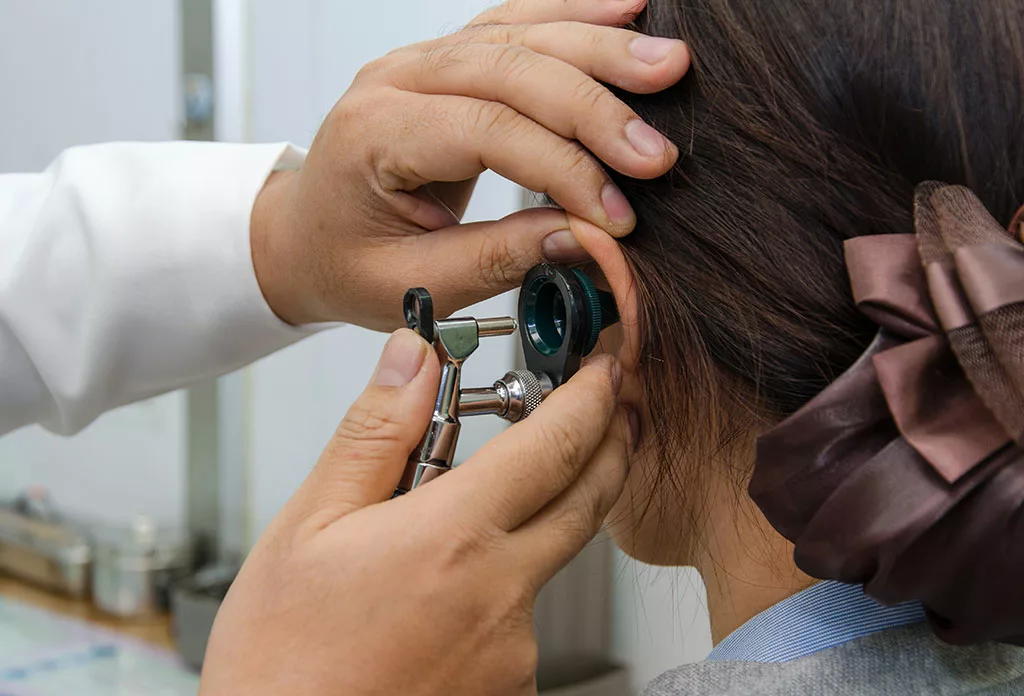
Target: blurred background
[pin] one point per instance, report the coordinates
(215, 463)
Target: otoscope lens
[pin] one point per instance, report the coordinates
(545, 316)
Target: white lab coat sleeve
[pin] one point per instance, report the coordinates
(125, 272)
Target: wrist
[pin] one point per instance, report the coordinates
(275, 256)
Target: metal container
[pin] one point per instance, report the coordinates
(194, 605)
(44, 552)
(133, 568)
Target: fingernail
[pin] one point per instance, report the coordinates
(633, 419)
(618, 209)
(652, 49)
(562, 247)
(645, 139)
(401, 360)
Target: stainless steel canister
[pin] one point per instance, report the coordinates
(133, 567)
(194, 605)
(45, 552)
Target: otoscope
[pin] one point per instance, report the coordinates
(561, 313)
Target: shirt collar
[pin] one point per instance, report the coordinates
(822, 616)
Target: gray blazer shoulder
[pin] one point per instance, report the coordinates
(909, 661)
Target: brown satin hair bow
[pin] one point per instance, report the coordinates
(907, 473)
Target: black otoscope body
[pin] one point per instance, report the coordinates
(560, 316)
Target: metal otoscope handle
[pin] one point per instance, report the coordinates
(513, 397)
(454, 340)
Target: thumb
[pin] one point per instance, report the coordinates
(364, 461)
(466, 264)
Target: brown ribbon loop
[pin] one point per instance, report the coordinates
(992, 275)
(889, 286)
(935, 407)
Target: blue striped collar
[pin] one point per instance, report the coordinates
(822, 616)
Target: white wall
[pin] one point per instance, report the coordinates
(72, 73)
(659, 618)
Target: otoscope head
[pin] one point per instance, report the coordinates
(561, 316)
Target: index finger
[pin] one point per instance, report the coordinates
(519, 472)
(606, 12)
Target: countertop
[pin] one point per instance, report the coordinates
(155, 631)
(56, 646)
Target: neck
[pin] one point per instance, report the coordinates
(747, 566)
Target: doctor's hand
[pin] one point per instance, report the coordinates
(432, 593)
(521, 91)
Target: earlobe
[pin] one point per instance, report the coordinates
(607, 253)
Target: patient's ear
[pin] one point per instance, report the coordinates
(611, 271)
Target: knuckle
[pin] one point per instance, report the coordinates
(495, 120)
(495, 33)
(590, 95)
(348, 111)
(565, 442)
(499, 264)
(367, 425)
(375, 68)
(511, 61)
(569, 449)
(574, 524)
(593, 38)
(439, 57)
(368, 72)
(574, 158)
(508, 34)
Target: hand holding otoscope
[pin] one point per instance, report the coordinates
(561, 315)
(433, 592)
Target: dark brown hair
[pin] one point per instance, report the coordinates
(803, 123)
